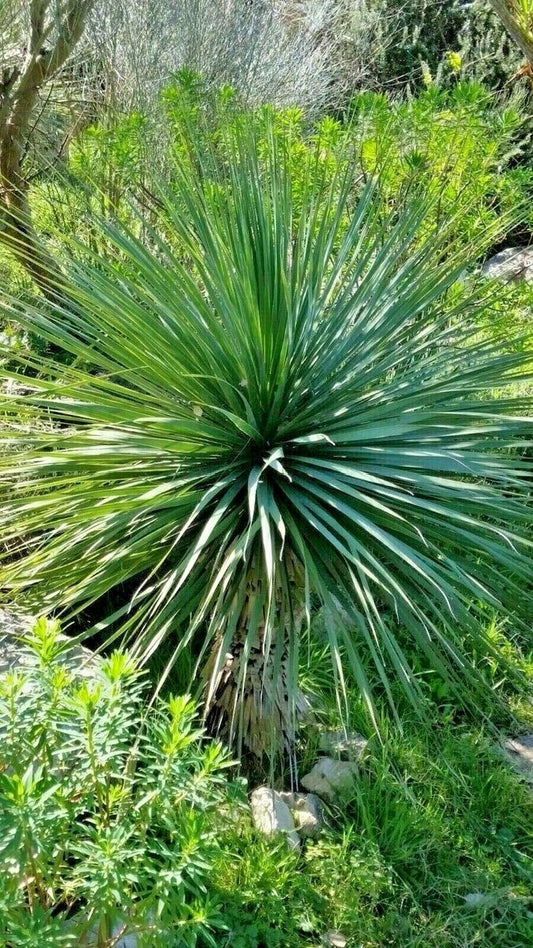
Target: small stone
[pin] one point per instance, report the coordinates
(512, 263)
(475, 898)
(345, 744)
(270, 815)
(334, 939)
(519, 752)
(330, 778)
(306, 811)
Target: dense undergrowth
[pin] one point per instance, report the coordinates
(105, 805)
(434, 845)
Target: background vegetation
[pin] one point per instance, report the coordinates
(156, 156)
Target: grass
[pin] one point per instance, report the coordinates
(436, 816)
(433, 849)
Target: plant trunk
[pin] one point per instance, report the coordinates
(252, 698)
(20, 88)
(19, 236)
(248, 702)
(519, 32)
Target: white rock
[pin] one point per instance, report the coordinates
(476, 898)
(519, 752)
(271, 814)
(343, 744)
(334, 939)
(15, 624)
(513, 263)
(330, 778)
(306, 811)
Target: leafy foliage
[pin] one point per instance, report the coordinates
(423, 31)
(106, 806)
(461, 145)
(439, 41)
(284, 406)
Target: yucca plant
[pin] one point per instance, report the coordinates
(267, 408)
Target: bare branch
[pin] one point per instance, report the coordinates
(76, 14)
(37, 17)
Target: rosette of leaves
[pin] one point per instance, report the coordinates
(268, 409)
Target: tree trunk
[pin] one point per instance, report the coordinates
(19, 93)
(251, 693)
(18, 234)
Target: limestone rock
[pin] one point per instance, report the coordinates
(14, 624)
(334, 939)
(343, 744)
(271, 814)
(330, 778)
(519, 752)
(513, 263)
(306, 811)
(475, 899)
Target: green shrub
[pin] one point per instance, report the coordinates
(107, 807)
(457, 145)
(425, 42)
(460, 144)
(416, 36)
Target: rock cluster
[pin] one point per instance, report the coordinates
(301, 814)
(271, 814)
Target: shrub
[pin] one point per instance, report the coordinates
(268, 53)
(458, 145)
(421, 42)
(106, 807)
(462, 144)
(288, 405)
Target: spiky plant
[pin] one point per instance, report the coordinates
(273, 403)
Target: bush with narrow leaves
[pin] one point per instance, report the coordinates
(107, 807)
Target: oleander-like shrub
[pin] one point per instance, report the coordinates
(108, 807)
